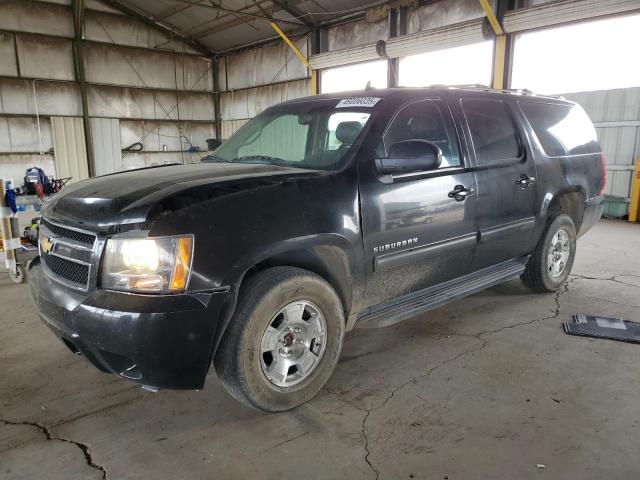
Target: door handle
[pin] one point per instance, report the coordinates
(460, 192)
(524, 181)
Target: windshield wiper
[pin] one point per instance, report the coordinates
(257, 159)
(267, 160)
(214, 159)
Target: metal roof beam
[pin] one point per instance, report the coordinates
(165, 28)
(219, 28)
(294, 12)
(239, 12)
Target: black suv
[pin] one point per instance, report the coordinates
(320, 214)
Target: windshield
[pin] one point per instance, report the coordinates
(313, 135)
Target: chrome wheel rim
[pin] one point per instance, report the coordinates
(558, 254)
(293, 344)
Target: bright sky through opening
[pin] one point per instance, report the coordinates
(354, 77)
(587, 56)
(452, 66)
(599, 55)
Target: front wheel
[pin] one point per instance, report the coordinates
(18, 275)
(551, 261)
(284, 340)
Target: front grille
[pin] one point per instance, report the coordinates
(62, 232)
(70, 271)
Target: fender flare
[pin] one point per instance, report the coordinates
(236, 276)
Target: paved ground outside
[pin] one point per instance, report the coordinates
(488, 387)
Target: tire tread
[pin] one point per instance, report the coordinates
(228, 361)
(533, 273)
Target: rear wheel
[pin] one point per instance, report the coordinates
(551, 261)
(284, 340)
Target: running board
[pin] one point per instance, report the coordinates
(431, 298)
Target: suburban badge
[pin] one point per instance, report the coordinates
(394, 245)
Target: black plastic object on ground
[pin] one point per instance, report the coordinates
(603, 327)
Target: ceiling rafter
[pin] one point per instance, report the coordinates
(217, 28)
(239, 12)
(200, 32)
(235, 14)
(213, 35)
(165, 14)
(294, 12)
(162, 26)
(170, 11)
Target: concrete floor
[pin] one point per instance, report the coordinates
(488, 387)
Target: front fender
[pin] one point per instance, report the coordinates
(331, 256)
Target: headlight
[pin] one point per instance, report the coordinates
(152, 265)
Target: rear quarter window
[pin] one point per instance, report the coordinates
(561, 130)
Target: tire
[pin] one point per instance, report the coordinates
(541, 273)
(18, 275)
(272, 300)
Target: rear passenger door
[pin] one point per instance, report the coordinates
(506, 175)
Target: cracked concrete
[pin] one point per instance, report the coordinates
(422, 376)
(487, 387)
(50, 436)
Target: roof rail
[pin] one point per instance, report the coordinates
(479, 86)
(485, 88)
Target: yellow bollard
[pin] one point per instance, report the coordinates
(634, 210)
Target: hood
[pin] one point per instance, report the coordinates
(123, 201)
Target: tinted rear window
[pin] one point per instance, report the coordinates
(561, 129)
(492, 130)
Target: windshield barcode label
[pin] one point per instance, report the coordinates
(358, 102)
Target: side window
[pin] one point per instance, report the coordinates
(283, 137)
(425, 120)
(492, 129)
(561, 129)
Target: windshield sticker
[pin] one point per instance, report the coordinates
(358, 102)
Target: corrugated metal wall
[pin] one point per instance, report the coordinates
(258, 78)
(105, 134)
(616, 115)
(160, 89)
(69, 148)
(246, 77)
(237, 107)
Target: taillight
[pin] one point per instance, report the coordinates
(603, 182)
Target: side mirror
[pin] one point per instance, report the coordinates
(410, 156)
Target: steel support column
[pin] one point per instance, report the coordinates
(78, 35)
(216, 97)
(392, 63)
(501, 71)
(397, 28)
(318, 45)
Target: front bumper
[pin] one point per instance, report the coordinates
(161, 341)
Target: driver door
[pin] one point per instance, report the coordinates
(417, 231)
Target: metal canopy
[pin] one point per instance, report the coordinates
(217, 26)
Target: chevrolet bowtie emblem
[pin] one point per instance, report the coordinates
(46, 245)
